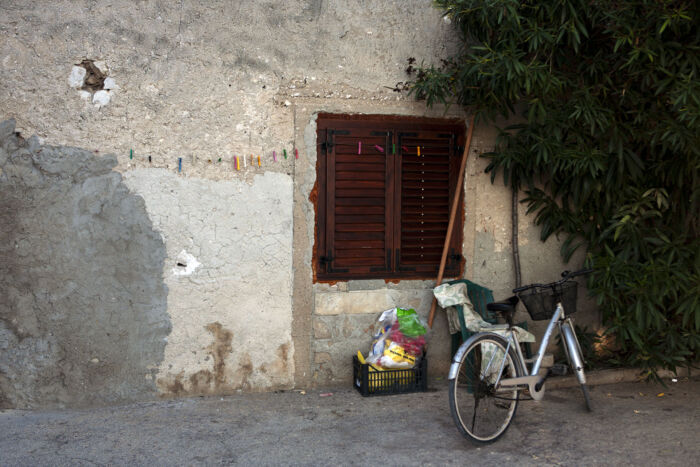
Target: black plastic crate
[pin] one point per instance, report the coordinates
(369, 382)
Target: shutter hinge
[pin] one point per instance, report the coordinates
(328, 144)
(454, 257)
(399, 267)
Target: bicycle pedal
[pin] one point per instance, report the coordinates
(558, 369)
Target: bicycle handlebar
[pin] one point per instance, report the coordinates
(569, 274)
(566, 275)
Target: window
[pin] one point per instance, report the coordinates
(385, 186)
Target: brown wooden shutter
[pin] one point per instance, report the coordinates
(383, 213)
(427, 182)
(359, 197)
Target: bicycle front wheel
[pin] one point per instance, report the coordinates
(481, 409)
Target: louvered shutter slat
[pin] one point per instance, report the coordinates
(357, 235)
(425, 199)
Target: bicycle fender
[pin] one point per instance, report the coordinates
(454, 366)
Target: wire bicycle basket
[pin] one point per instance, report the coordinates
(541, 302)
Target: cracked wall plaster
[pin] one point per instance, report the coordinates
(241, 235)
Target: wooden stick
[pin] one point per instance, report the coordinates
(453, 212)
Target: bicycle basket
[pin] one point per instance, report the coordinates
(542, 301)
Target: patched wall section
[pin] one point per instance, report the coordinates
(83, 316)
(228, 272)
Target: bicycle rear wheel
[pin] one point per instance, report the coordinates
(481, 411)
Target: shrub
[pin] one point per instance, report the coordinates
(606, 96)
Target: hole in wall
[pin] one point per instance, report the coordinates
(90, 78)
(94, 77)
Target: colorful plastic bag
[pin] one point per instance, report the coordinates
(399, 340)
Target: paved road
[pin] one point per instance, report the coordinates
(631, 426)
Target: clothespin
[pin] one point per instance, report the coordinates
(274, 156)
(131, 153)
(418, 149)
(296, 153)
(285, 153)
(179, 164)
(378, 148)
(245, 164)
(259, 162)
(238, 163)
(219, 160)
(393, 148)
(359, 147)
(149, 159)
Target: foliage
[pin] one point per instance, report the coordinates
(595, 352)
(606, 96)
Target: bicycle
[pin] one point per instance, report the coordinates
(488, 373)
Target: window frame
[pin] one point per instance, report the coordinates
(396, 126)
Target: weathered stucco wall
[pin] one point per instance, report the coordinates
(82, 302)
(229, 250)
(177, 90)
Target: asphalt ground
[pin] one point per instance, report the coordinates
(632, 424)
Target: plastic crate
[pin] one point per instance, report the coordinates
(541, 302)
(370, 382)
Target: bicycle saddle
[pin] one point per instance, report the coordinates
(505, 307)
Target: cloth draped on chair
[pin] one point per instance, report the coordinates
(450, 296)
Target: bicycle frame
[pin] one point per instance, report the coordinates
(532, 378)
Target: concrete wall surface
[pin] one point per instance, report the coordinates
(83, 315)
(179, 264)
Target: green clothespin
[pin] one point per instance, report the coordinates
(131, 153)
(285, 153)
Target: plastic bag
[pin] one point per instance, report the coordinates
(399, 340)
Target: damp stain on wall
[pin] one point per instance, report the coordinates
(219, 349)
(208, 381)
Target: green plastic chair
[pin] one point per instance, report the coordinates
(479, 296)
